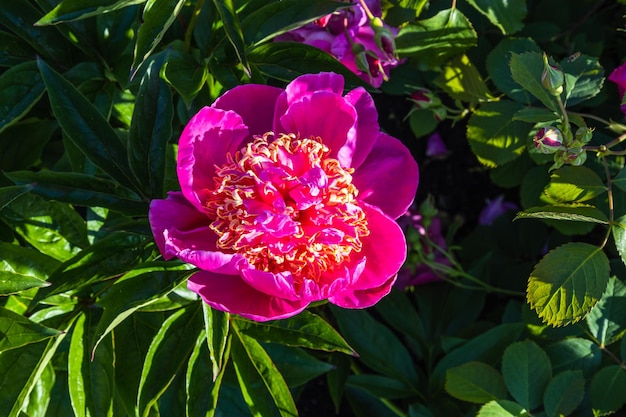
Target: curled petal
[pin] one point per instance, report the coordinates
(232, 294)
(367, 128)
(274, 284)
(388, 177)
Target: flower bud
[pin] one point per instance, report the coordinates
(548, 139)
(552, 78)
(583, 135)
(384, 37)
(424, 98)
(576, 156)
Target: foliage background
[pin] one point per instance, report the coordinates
(93, 96)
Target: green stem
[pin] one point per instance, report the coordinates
(368, 12)
(591, 116)
(192, 25)
(564, 118)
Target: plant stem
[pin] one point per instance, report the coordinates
(192, 25)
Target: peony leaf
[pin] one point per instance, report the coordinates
(69, 10)
(296, 365)
(607, 320)
(8, 194)
(40, 398)
(234, 33)
(620, 180)
(564, 393)
(461, 80)
(619, 235)
(168, 353)
(584, 77)
(527, 371)
(378, 385)
(13, 282)
(608, 390)
(568, 282)
(186, 73)
(217, 329)
(502, 408)
(21, 88)
(17, 331)
(306, 330)
(27, 152)
(435, 40)
(14, 50)
(526, 70)
(508, 17)
(494, 136)
(574, 354)
(574, 212)
(475, 382)
(571, 184)
(202, 385)
(261, 384)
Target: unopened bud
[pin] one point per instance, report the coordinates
(424, 98)
(384, 38)
(583, 135)
(575, 156)
(548, 140)
(552, 78)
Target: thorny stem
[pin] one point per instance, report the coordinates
(192, 24)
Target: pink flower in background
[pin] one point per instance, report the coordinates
(618, 76)
(367, 50)
(288, 197)
(435, 147)
(494, 209)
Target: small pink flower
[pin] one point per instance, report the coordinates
(494, 209)
(288, 197)
(435, 147)
(618, 76)
(340, 33)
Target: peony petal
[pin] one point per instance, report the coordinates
(367, 128)
(182, 231)
(231, 294)
(276, 284)
(388, 178)
(310, 118)
(385, 251)
(254, 103)
(203, 144)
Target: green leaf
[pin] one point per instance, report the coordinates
(288, 60)
(536, 115)
(422, 122)
(9, 194)
(232, 27)
(607, 320)
(573, 212)
(574, 354)
(17, 331)
(158, 16)
(13, 283)
(620, 180)
(53, 228)
(139, 287)
(486, 347)
(494, 136)
(475, 382)
(502, 408)
(564, 393)
(34, 135)
(81, 190)
(150, 130)
(584, 77)
(570, 184)
(21, 88)
(304, 330)
(26, 261)
(500, 72)
(273, 19)
(14, 50)
(461, 80)
(216, 327)
(168, 352)
(619, 235)
(369, 337)
(70, 10)
(435, 40)
(508, 17)
(295, 364)
(608, 390)
(568, 282)
(91, 378)
(526, 70)
(40, 396)
(262, 386)
(186, 73)
(527, 371)
(86, 128)
(364, 404)
(380, 386)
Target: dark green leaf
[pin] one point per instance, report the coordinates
(8, 194)
(150, 130)
(574, 354)
(570, 184)
(305, 330)
(17, 331)
(608, 390)
(434, 40)
(21, 88)
(620, 180)
(158, 16)
(475, 382)
(568, 282)
(86, 127)
(232, 27)
(564, 393)
(526, 70)
(381, 386)
(216, 326)
(364, 404)
(202, 385)
(26, 261)
(607, 320)
(619, 234)
(536, 115)
(14, 50)
(508, 17)
(295, 364)
(494, 136)
(262, 386)
(527, 371)
(68, 10)
(33, 136)
(81, 190)
(168, 353)
(186, 74)
(584, 77)
(422, 122)
(573, 212)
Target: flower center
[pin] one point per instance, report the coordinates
(285, 206)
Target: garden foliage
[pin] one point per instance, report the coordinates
(528, 316)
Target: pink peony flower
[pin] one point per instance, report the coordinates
(288, 197)
(349, 37)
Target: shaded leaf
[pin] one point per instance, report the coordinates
(380, 386)
(574, 354)
(619, 234)
(21, 88)
(568, 282)
(232, 27)
(475, 382)
(607, 320)
(17, 331)
(564, 393)
(608, 390)
(526, 70)
(584, 77)
(295, 364)
(69, 10)
(8, 194)
(620, 180)
(527, 371)
(33, 134)
(507, 16)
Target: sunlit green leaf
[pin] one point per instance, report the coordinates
(573, 212)
(13, 282)
(21, 88)
(527, 371)
(68, 10)
(17, 331)
(507, 16)
(475, 382)
(40, 396)
(461, 80)
(568, 282)
(564, 393)
(574, 184)
(217, 327)
(608, 390)
(502, 408)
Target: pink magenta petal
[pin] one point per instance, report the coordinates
(231, 294)
(367, 128)
(182, 231)
(384, 251)
(389, 176)
(254, 103)
(310, 118)
(275, 284)
(204, 143)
